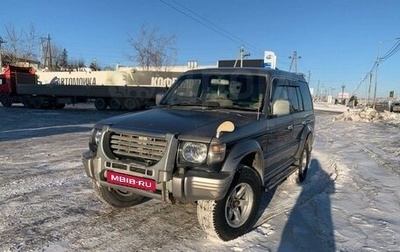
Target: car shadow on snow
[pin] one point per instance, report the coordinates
(21, 123)
(307, 207)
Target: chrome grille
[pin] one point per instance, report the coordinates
(148, 150)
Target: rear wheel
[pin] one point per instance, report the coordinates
(115, 104)
(117, 198)
(27, 101)
(37, 102)
(131, 104)
(303, 163)
(234, 215)
(100, 104)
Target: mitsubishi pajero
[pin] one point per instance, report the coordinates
(219, 138)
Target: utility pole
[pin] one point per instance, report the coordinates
(343, 87)
(369, 88)
(1, 42)
(378, 59)
(47, 57)
(294, 61)
(376, 83)
(242, 55)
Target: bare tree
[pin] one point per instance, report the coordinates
(13, 45)
(56, 54)
(30, 43)
(20, 44)
(77, 63)
(62, 61)
(152, 49)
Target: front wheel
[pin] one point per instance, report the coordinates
(117, 198)
(234, 215)
(6, 100)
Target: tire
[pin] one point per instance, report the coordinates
(303, 163)
(6, 100)
(27, 101)
(100, 104)
(117, 198)
(115, 104)
(37, 102)
(131, 104)
(235, 214)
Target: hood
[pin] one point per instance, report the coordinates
(199, 123)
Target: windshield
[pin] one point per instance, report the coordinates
(227, 91)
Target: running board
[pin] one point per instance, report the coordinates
(278, 179)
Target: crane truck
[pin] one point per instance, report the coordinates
(21, 85)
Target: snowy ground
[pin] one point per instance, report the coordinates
(349, 202)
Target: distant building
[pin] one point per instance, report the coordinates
(22, 62)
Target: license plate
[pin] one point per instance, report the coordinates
(130, 181)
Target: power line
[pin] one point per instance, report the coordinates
(393, 50)
(214, 27)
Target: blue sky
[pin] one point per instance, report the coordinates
(338, 41)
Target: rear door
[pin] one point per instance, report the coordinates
(301, 109)
(280, 144)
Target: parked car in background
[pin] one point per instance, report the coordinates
(395, 107)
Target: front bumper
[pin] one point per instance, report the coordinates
(186, 186)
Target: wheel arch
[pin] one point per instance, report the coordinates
(307, 136)
(248, 153)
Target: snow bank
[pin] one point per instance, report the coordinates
(368, 115)
(325, 106)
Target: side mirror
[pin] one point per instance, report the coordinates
(159, 97)
(280, 107)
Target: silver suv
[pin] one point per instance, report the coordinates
(219, 138)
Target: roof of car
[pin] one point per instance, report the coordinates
(248, 70)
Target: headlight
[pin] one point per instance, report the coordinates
(194, 152)
(94, 139)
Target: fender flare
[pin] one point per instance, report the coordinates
(239, 152)
(306, 135)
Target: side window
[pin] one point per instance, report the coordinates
(296, 103)
(306, 95)
(279, 90)
(279, 100)
(281, 93)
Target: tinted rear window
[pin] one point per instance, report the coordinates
(307, 100)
